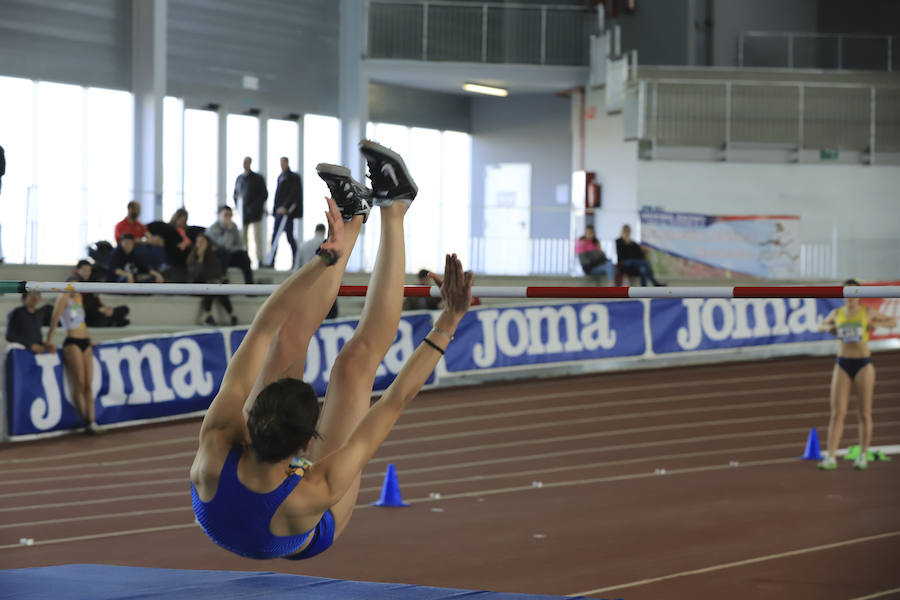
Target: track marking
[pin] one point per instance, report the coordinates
(107, 450)
(134, 513)
(739, 563)
(880, 594)
(520, 457)
(595, 405)
(444, 497)
(660, 459)
(186, 493)
(89, 488)
(97, 536)
(545, 425)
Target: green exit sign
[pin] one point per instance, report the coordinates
(828, 154)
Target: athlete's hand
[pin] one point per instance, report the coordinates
(334, 243)
(456, 286)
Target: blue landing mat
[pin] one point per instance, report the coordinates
(103, 582)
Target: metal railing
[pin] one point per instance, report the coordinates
(789, 115)
(803, 50)
(481, 32)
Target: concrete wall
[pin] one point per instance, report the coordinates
(615, 162)
(531, 129)
(84, 43)
(419, 108)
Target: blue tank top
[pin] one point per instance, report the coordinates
(238, 518)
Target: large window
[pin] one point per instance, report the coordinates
(321, 143)
(173, 155)
(17, 125)
(57, 206)
(109, 138)
(439, 221)
(201, 143)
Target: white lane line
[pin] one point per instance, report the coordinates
(99, 536)
(584, 420)
(892, 449)
(739, 563)
(880, 594)
(595, 405)
(520, 457)
(444, 497)
(662, 460)
(592, 480)
(104, 451)
(90, 488)
(186, 493)
(105, 463)
(133, 513)
(94, 476)
(619, 390)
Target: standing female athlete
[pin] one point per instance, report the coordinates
(245, 494)
(851, 324)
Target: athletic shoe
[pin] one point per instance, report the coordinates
(828, 464)
(861, 463)
(352, 197)
(390, 178)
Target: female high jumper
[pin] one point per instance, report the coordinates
(851, 324)
(246, 495)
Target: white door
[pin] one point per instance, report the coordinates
(507, 219)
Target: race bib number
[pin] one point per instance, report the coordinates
(850, 333)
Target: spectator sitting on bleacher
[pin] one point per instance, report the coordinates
(421, 302)
(23, 324)
(631, 258)
(229, 243)
(204, 267)
(593, 260)
(98, 314)
(126, 266)
(148, 246)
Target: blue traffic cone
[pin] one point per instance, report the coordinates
(812, 446)
(390, 490)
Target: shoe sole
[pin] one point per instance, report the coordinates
(334, 170)
(377, 148)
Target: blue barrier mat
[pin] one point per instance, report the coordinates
(104, 582)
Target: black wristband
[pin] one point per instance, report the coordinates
(327, 256)
(433, 345)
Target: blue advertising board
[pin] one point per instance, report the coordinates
(132, 380)
(710, 324)
(530, 335)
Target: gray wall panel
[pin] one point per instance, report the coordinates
(419, 108)
(292, 47)
(532, 129)
(731, 17)
(86, 42)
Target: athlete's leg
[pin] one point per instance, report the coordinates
(840, 393)
(74, 363)
(286, 356)
(88, 377)
(865, 389)
(350, 385)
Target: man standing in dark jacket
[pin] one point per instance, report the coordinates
(250, 195)
(288, 207)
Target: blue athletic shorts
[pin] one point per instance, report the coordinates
(322, 538)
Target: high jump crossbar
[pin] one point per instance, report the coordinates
(572, 292)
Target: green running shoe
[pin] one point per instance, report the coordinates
(828, 464)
